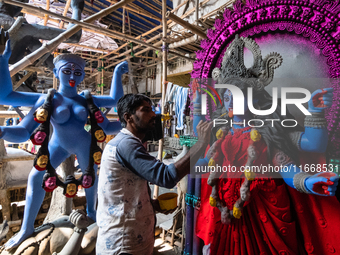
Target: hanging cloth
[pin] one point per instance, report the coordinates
(181, 99)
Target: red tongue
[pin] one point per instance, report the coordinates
(231, 114)
(72, 83)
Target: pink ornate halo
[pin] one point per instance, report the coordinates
(315, 20)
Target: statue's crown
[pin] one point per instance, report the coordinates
(233, 71)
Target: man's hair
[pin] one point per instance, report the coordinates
(128, 104)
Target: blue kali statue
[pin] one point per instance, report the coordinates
(69, 115)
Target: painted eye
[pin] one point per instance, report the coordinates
(66, 72)
(77, 73)
(226, 99)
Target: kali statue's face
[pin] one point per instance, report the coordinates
(71, 74)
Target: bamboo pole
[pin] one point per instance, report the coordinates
(123, 21)
(186, 24)
(23, 79)
(102, 82)
(87, 47)
(127, 12)
(164, 64)
(67, 6)
(47, 8)
(50, 46)
(98, 76)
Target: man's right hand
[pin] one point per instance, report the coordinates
(204, 131)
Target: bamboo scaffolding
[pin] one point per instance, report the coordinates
(186, 24)
(117, 12)
(192, 39)
(50, 46)
(84, 23)
(136, 29)
(22, 80)
(170, 24)
(158, 27)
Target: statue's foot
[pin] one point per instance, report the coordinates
(17, 239)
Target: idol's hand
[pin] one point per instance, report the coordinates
(321, 99)
(5, 48)
(122, 67)
(323, 184)
(79, 219)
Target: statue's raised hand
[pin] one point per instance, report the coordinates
(122, 67)
(323, 184)
(5, 48)
(321, 99)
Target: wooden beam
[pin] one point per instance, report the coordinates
(23, 79)
(186, 24)
(47, 8)
(87, 47)
(67, 6)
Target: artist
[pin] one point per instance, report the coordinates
(126, 217)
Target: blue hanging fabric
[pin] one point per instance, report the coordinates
(181, 99)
